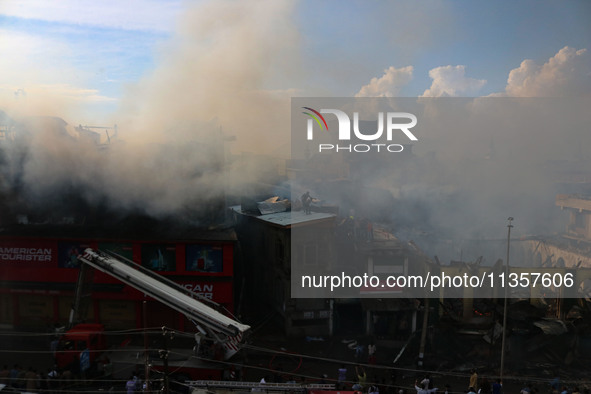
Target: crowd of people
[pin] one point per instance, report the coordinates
(54, 380)
(426, 385)
(31, 380)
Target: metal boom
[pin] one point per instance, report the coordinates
(164, 290)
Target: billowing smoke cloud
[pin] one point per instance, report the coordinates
(568, 73)
(219, 68)
(212, 89)
(389, 84)
(479, 161)
(451, 81)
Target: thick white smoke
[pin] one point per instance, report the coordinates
(212, 90)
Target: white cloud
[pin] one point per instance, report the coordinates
(75, 93)
(155, 15)
(451, 81)
(72, 103)
(65, 91)
(389, 84)
(568, 73)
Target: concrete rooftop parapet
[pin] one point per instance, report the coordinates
(573, 201)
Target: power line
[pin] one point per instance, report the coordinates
(157, 331)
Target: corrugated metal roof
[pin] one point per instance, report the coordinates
(273, 205)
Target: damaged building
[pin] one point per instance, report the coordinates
(55, 201)
(279, 240)
(264, 235)
(39, 271)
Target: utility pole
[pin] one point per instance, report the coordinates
(164, 356)
(146, 350)
(424, 333)
(506, 283)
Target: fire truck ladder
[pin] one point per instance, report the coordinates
(167, 292)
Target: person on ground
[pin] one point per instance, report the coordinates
(130, 385)
(473, 380)
(422, 389)
(361, 375)
(497, 387)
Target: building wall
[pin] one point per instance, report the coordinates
(579, 224)
(580, 214)
(267, 251)
(549, 254)
(39, 277)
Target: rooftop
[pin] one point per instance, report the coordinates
(288, 218)
(127, 228)
(574, 201)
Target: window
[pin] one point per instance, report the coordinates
(580, 220)
(204, 258)
(159, 257)
(68, 254)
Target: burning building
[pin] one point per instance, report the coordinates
(280, 244)
(66, 188)
(39, 270)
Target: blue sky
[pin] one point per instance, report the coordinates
(79, 59)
